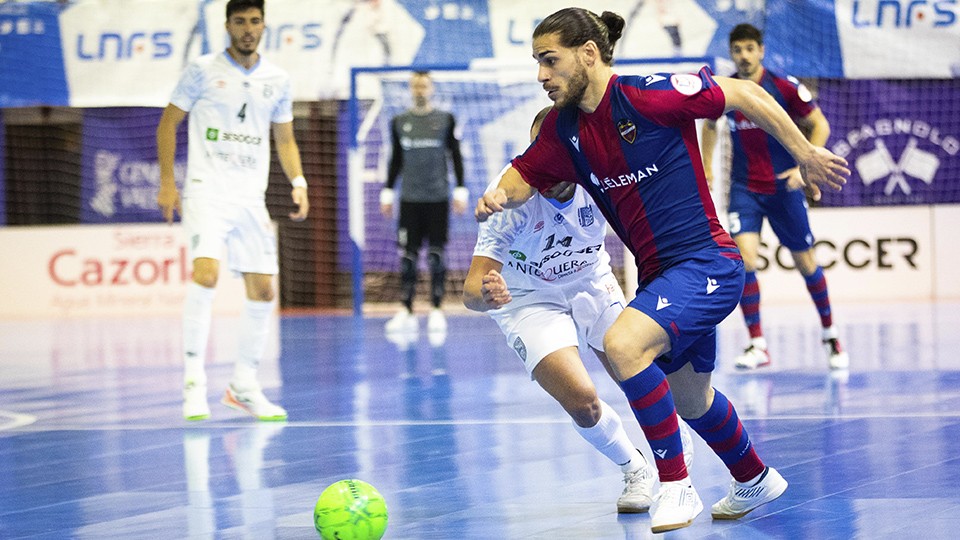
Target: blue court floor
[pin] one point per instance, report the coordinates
(457, 438)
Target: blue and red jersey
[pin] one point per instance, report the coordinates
(637, 155)
(757, 156)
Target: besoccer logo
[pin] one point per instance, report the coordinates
(213, 134)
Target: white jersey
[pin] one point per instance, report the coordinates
(231, 112)
(541, 244)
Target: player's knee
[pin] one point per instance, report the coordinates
(584, 406)
(617, 344)
(626, 353)
(691, 405)
(205, 278)
(749, 260)
(408, 267)
(435, 262)
(261, 294)
(805, 261)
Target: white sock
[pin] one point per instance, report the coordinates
(610, 439)
(759, 342)
(254, 329)
(829, 332)
(197, 307)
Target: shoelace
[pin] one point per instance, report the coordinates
(671, 495)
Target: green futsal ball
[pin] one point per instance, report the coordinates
(350, 510)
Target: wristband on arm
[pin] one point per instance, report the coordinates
(461, 194)
(299, 181)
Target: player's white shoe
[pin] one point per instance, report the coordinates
(637, 490)
(675, 506)
(753, 357)
(254, 403)
(836, 356)
(745, 497)
(402, 322)
(436, 322)
(195, 406)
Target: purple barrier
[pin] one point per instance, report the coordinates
(901, 138)
(120, 174)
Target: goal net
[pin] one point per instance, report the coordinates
(493, 105)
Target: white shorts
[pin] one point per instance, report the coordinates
(537, 323)
(246, 232)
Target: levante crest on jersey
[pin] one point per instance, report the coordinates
(627, 130)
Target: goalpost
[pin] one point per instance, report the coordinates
(493, 104)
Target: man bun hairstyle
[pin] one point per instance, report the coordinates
(576, 26)
(744, 32)
(234, 6)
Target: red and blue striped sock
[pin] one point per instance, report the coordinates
(750, 304)
(720, 427)
(817, 286)
(652, 402)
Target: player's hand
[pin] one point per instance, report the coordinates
(793, 178)
(461, 197)
(386, 202)
(823, 168)
(168, 199)
(494, 290)
(299, 196)
(795, 181)
(490, 203)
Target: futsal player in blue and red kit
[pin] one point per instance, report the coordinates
(765, 182)
(631, 142)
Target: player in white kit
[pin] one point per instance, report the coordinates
(234, 98)
(551, 253)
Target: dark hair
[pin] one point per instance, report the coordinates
(422, 73)
(744, 31)
(576, 26)
(234, 6)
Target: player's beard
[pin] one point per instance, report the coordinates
(244, 49)
(576, 87)
(746, 70)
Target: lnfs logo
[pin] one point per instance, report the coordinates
(305, 36)
(110, 45)
(904, 13)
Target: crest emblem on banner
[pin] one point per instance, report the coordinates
(627, 130)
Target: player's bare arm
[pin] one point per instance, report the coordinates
(817, 164)
(708, 141)
(484, 288)
(168, 198)
(289, 154)
(817, 130)
(816, 127)
(511, 192)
